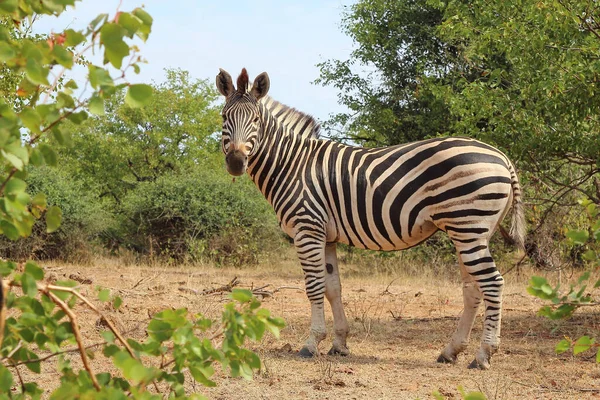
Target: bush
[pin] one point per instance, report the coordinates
(84, 219)
(200, 214)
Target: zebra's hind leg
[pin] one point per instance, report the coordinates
(471, 301)
(479, 264)
(310, 247)
(333, 292)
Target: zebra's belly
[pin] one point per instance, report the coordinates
(373, 241)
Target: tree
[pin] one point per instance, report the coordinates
(122, 146)
(397, 46)
(535, 93)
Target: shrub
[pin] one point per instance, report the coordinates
(84, 219)
(200, 214)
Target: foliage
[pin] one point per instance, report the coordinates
(396, 45)
(536, 88)
(37, 325)
(157, 172)
(564, 304)
(83, 219)
(50, 102)
(38, 318)
(124, 146)
(521, 76)
(184, 215)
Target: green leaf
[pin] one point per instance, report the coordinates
(582, 344)
(36, 73)
(64, 100)
(578, 237)
(547, 289)
(31, 119)
(108, 336)
(29, 285)
(37, 158)
(201, 375)
(63, 56)
(598, 356)
(117, 301)
(78, 117)
(159, 330)
(475, 396)
(62, 137)
(49, 154)
(130, 22)
(96, 21)
(241, 295)
(7, 52)
(9, 230)
(138, 95)
(99, 77)
(104, 295)
(584, 277)
(146, 19)
(589, 255)
(53, 219)
(73, 38)
(15, 186)
(115, 49)
(9, 6)
(562, 346)
(96, 105)
(34, 270)
(6, 268)
(6, 379)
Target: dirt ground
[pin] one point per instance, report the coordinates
(398, 327)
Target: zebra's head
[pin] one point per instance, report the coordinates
(241, 118)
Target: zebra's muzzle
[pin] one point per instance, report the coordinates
(236, 162)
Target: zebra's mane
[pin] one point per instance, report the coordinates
(305, 125)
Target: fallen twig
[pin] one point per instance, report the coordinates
(288, 287)
(225, 288)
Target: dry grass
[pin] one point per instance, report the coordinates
(398, 327)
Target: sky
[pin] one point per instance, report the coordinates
(284, 38)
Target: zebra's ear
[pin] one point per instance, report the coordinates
(225, 83)
(260, 88)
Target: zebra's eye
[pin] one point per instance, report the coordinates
(255, 120)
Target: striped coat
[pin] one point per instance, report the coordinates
(388, 198)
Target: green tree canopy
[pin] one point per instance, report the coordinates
(535, 93)
(522, 76)
(123, 146)
(396, 45)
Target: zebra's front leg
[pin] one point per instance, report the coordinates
(333, 292)
(311, 252)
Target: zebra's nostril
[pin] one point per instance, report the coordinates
(236, 162)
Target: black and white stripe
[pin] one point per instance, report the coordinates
(388, 198)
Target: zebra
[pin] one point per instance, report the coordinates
(389, 198)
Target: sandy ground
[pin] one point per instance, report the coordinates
(398, 327)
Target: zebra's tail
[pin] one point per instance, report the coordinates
(518, 227)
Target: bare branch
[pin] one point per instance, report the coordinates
(78, 338)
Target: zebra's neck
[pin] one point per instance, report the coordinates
(286, 139)
(292, 120)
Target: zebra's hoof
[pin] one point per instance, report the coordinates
(482, 365)
(305, 353)
(444, 359)
(338, 352)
